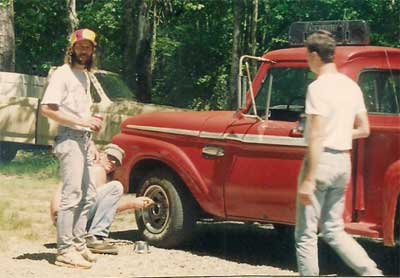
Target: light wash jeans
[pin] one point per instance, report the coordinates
(102, 214)
(78, 191)
(326, 212)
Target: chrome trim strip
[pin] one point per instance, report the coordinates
(212, 135)
(249, 138)
(275, 140)
(166, 130)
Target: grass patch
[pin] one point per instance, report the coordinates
(26, 186)
(12, 220)
(40, 164)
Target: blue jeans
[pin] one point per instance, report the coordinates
(326, 212)
(78, 191)
(102, 214)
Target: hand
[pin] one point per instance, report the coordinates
(93, 123)
(306, 191)
(94, 152)
(142, 202)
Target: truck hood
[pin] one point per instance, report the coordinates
(190, 123)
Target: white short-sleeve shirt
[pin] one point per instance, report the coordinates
(339, 99)
(69, 89)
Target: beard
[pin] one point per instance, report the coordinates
(83, 59)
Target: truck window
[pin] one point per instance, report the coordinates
(289, 87)
(381, 90)
(94, 94)
(114, 86)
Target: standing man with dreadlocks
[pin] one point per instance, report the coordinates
(67, 101)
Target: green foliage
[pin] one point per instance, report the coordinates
(39, 164)
(5, 3)
(194, 39)
(41, 36)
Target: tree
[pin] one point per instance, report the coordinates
(72, 16)
(236, 50)
(138, 54)
(7, 36)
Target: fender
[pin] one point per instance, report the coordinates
(391, 193)
(139, 148)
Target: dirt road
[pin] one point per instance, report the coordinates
(217, 250)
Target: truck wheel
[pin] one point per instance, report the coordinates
(170, 222)
(8, 152)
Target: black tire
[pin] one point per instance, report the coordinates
(170, 222)
(8, 151)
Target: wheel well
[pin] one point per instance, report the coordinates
(144, 167)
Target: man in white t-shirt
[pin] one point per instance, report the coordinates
(336, 114)
(67, 101)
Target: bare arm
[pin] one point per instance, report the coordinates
(52, 112)
(135, 203)
(361, 129)
(315, 138)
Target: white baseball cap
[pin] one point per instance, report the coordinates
(115, 151)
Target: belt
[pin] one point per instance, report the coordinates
(74, 132)
(330, 150)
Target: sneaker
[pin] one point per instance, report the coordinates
(88, 255)
(100, 246)
(72, 259)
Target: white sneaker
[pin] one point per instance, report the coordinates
(88, 255)
(72, 259)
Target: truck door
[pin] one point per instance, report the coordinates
(381, 149)
(267, 155)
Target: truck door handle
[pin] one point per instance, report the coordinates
(213, 151)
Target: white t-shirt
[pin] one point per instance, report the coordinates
(69, 89)
(337, 98)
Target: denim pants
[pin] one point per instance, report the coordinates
(78, 192)
(102, 214)
(326, 213)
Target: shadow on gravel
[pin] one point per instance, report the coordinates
(49, 257)
(262, 245)
(50, 245)
(129, 235)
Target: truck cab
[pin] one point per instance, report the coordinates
(243, 165)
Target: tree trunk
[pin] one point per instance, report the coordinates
(72, 16)
(236, 51)
(140, 32)
(130, 24)
(253, 33)
(7, 36)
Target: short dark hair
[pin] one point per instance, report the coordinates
(323, 43)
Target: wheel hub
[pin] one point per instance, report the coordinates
(156, 217)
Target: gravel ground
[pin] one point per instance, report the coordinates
(208, 255)
(218, 250)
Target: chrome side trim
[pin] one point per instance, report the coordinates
(274, 140)
(249, 138)
(212, 135)
(166, 130)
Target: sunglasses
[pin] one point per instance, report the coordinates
(113, 160)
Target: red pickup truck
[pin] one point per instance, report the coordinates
(242, 165)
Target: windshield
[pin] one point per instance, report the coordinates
(114, 86)
(288, 90)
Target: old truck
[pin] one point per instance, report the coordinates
(242, 165)
(23, 127)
